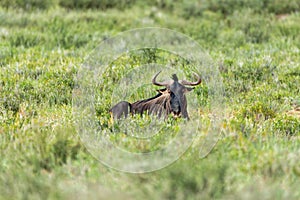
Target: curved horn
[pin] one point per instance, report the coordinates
(165, 83)
(184, 82)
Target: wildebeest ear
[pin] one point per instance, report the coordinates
(188, 89)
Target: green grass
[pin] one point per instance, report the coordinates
(257, 53)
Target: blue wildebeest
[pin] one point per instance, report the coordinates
(169, 100)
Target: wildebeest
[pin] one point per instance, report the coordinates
(169, 100)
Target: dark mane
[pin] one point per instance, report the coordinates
(158, 105)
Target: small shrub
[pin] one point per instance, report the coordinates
(96, 4)
(288, 125)
(255, 27)
(26, 39)
(28, 4)
(282, 6)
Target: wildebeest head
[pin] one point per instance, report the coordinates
(177, 90)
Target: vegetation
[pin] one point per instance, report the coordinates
(256, 46)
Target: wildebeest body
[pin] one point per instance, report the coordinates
(169, 100)
(121, 109)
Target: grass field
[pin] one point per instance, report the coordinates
(256, 47)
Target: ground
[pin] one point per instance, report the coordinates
(256, 49)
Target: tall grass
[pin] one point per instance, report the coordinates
(257, 53)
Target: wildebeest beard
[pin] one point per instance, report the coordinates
(175, 105)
